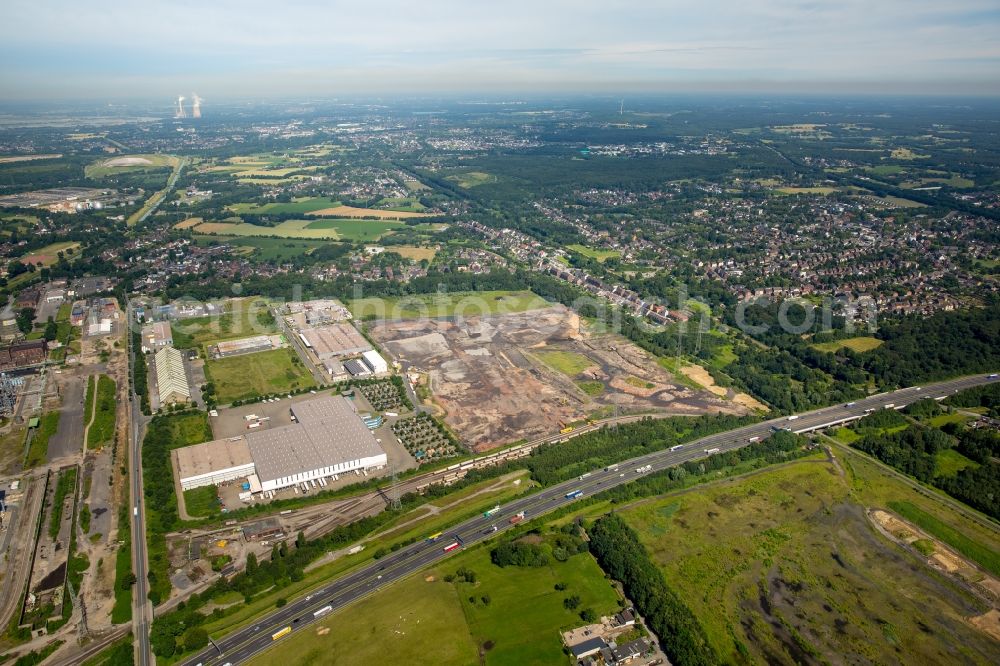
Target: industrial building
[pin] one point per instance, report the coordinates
(23, 354)
(375, 362)
(249, 345)
(213, 462)
(171, 379)
(328, 438)
(334, 340)
(156, 336)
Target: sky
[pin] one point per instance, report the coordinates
(65, 49)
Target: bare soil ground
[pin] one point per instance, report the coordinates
(701, 376)
(494, 390)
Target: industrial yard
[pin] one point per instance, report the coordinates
(488, 376)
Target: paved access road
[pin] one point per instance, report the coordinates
(243, 644)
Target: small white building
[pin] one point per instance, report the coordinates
(375, 362)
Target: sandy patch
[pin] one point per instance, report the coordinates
(351, 211)
(988, 622)
(701, 376)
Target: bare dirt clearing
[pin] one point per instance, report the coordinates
(494, 389)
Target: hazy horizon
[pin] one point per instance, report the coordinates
(111, 49)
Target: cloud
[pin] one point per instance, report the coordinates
(251, 47)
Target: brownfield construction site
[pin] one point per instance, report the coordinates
(503, 378)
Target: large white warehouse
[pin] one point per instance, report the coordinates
(328, 438)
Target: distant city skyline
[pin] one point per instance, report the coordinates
(110, 48)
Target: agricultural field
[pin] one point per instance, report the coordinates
(404, 204)
(413, 252)
(324, 229)
(949, 181)
(859, 344)
(243, 317)
(807, 190)
(126, 163)
(771, 565)
(465, 304)
(354, 212)
(251, 375)
(264, 249)
(295, 207)
(594, 253)
(508, 616)
(906, 154)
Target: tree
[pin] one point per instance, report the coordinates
(588, 615)
(25, 318)
(51, 330)
(251, 564)
(195, 639)
(571, 603)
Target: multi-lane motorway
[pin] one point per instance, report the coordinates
(243, 644)
(141, 608)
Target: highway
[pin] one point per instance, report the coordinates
(242, 645)
(142, 615)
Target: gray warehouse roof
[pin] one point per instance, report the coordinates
(328, 432)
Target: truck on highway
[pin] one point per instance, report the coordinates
(584, 475)
(435, 537)
(573, 494)
(643, 469)
(753, 439)
(516, 518)
(492, 512)
(135, 511)
(283, 632)
(451, 546)
(567, 429)
(611, 468)
(712, 450)
(889, 405)
(323, 611)
(992, 376)
(250, 417)
(793, 417)
(676, 447)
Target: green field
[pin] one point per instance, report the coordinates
(950, 462)
(402, 204)
(355, 230)
(433, 621)
(772, 563)
(593, 389)
(465, 304)
(594, 253)
(253, 375)
(297, 206)
(859, 344)
(569, 363)
(102, 428)
(202, 502)
(265, 249)
(242, 318)
(316, 229)
(39, 448)
(471, 179)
